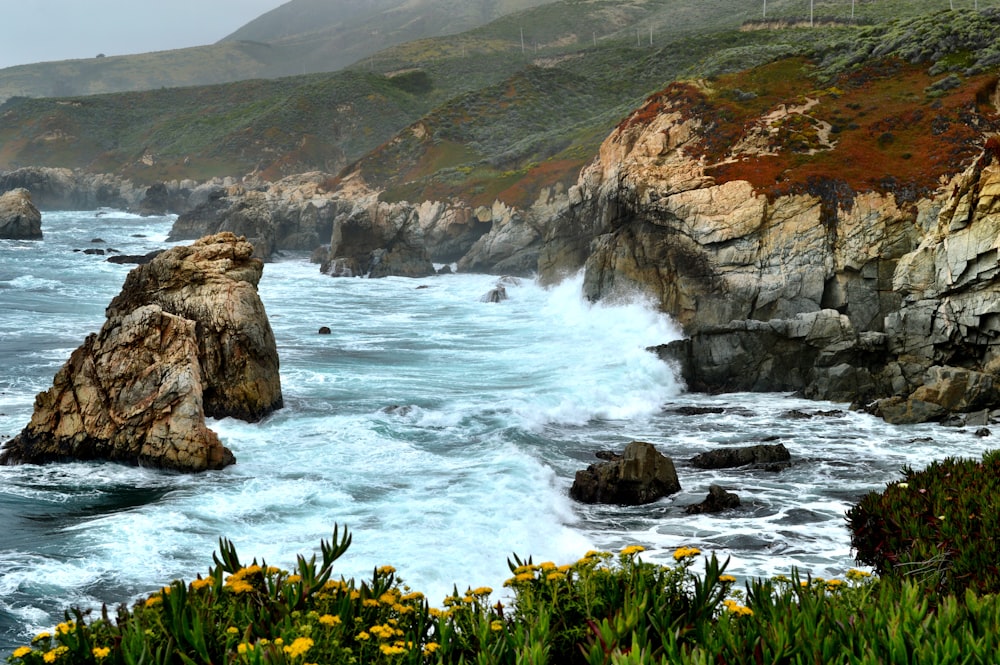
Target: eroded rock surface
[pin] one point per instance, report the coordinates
(19, 218)
(186, 338)
(640, 475)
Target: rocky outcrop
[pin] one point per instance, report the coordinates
(187, 338)
(65, 189)
(770, 457)
(718, 500)
(19, 218)
(884, 296)
(638, 476)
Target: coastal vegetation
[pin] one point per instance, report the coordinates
(933, 600)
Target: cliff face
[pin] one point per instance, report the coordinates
(849, 257)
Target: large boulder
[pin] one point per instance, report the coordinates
(187, 338)
(768, 456)
(640, 475)
(19, 218)
(132, 393)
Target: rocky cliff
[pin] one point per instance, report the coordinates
(186, 338)
(850, 257)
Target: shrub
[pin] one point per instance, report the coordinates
(938, 525)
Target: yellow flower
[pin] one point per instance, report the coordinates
(355, 594)
(388, 598)
(41, 636)
(65, 628)
(416, 595)
(496, 625)
(100, 653)
(21, 652)
(727, 579)
(555, 576)
(298, 647)
(430, 648)
(547, 566)
(686, 552)
(55, 654)
(362, 636)
(153, 600)
(199, 584)
(632, 549)
(856, 575)
(293, 579)
(369, 602)
(435, 612)
(482, 591)
(386, 570)
(329, 620)
(833, 585)
(391, 650)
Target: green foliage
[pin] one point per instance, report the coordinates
(604, 609)
(937, 526)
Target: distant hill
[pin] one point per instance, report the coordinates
(299, 37)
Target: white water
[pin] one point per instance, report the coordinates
(499, 405)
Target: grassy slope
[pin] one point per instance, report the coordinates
(300, 37)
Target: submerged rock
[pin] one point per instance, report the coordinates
(717, 501)
(19, 218)
(186, 338)
(769, 456)
(640, 475)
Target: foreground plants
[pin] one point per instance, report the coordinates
(605, 608)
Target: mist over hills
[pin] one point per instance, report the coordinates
(299, 37)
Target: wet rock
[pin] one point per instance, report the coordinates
(696, 410)
(641, 475)
(768, 456)
(187, 338)
(496, 294)
(136, 259)
(324, 330)
(717, 501)
(19, 218)
(983, 432)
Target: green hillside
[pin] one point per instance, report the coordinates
(299, 37)
(498, 111)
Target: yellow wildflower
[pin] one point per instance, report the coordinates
(686, 552)
(833, 585)
(21, 652)
(278, 641)
(41, 636)
(391, 650)
(632, 549)
(555, 576)
(727, 579)
(496, 625)
(547, 566)
(153, 600)
(55, 654)
(298, 647)
(430, 648)
(435, 612)
(100, 653)
(199, 584)
(355, 594)
(242, 648)
(329, 620)
(416, 595)
(293, 579)
(386, 570)
(735, 608)
(856, 575)
(482, 591)
(65, 628)
(362, 636)
(388, 598)
(369, 602)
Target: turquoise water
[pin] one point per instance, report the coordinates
(443, 431)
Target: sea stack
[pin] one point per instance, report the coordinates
(186, 338)
(19, 218)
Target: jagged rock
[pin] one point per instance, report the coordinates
(945, 390)
(717, 501)
(381, 239)
(496, 294)
(641, 475)
(186, 338)
(214, 283)
(768, 456)
(132, 393)
(19, 218)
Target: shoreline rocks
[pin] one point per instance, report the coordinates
(187, 338)
(638, 476)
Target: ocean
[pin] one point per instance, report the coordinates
(443, 431)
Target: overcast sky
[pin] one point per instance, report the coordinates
(40, 30)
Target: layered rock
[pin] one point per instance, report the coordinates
(19, 218)
(852, 295)
(186, 338)
(639, 475)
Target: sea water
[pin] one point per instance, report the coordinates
(443, 431)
